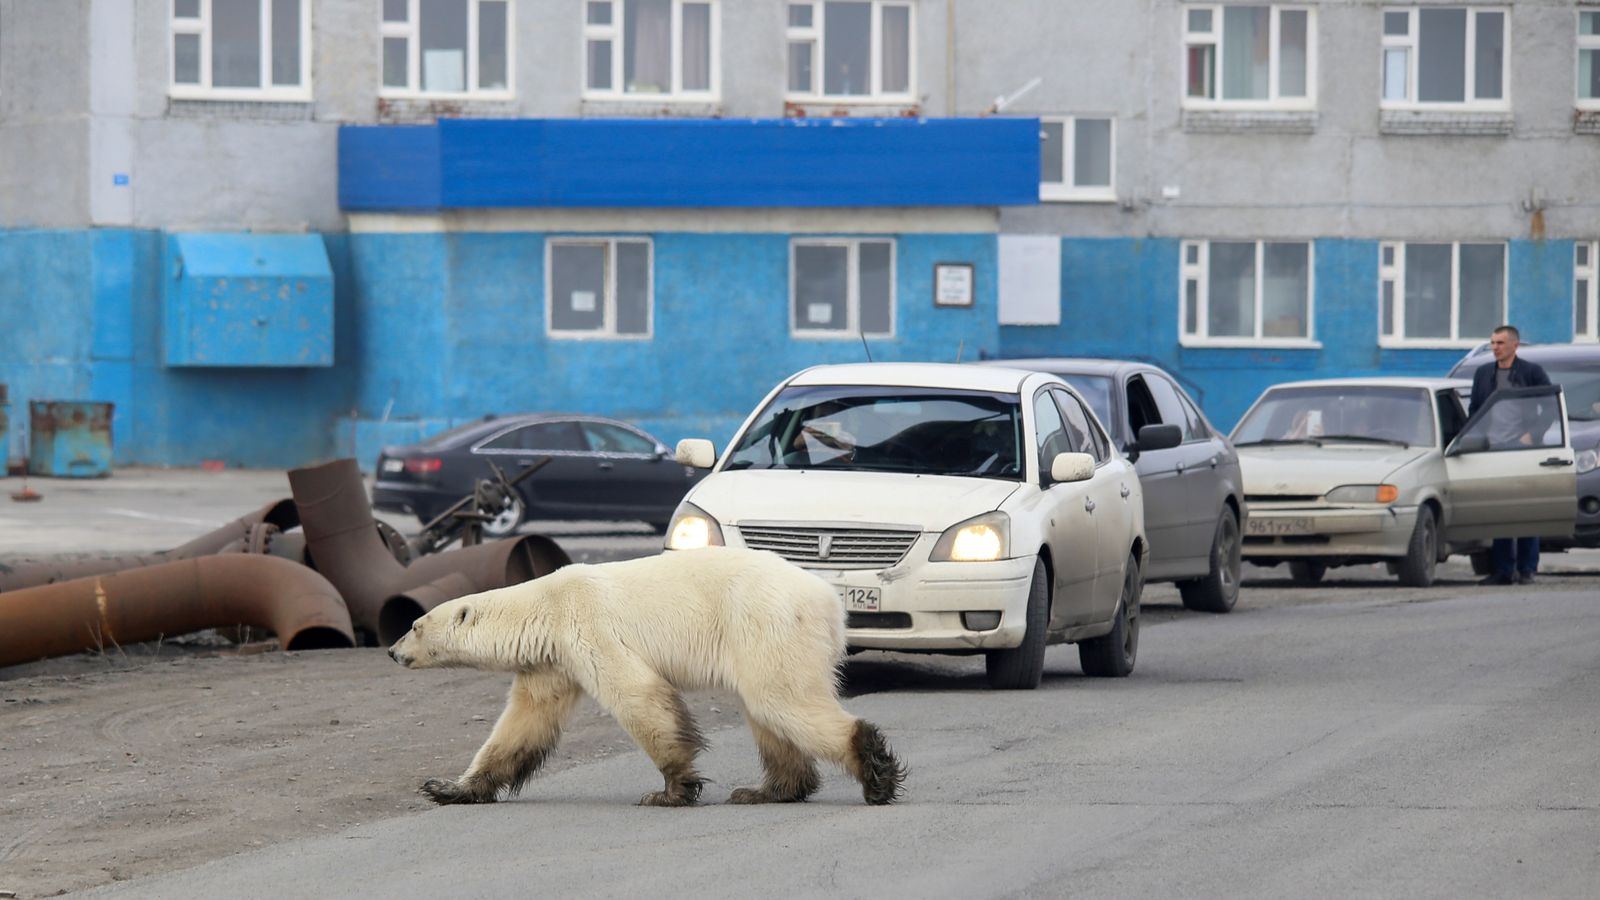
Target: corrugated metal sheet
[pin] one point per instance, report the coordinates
(465, 163)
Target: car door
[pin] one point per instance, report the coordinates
(1167, 518)
(1070, 527)
(633, 474)
(1511, 468)
(1109, 497)
(561, 486)
(1197, 459)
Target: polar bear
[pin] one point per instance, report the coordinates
(633, 634)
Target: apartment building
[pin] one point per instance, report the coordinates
(273, 231)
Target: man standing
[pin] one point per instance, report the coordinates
(1515, 560)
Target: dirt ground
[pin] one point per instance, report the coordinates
(159, 757)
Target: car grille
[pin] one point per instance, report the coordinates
(833, 548)
(878, 620)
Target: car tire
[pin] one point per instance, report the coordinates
(1020, 668)
(1307, 572)
(1422, 554)
(507, 522)
(1219, 589)
(1114, 654)
(1482, 562)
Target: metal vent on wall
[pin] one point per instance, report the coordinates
(834, 548)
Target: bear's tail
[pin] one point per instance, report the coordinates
(882, 773)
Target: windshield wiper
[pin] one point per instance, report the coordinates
(1273, 442)
(1364, 439)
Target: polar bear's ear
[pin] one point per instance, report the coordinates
(464, 616)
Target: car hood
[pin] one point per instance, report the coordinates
(929, 502)
(1306, 469)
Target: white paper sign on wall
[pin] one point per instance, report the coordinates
(1030, 279)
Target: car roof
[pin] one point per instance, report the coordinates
(468, 432)
(1076, 365)
(1539, 353)
(1432, 384)
(933, 375)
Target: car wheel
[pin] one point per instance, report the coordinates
(1021, 667)
(1422, 554)
(508, 521)
(1218, 590)
(1482, 562)
(1113, 655)
(1307, 572)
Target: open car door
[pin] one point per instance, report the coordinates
(1511, 469)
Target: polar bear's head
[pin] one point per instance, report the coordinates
(454, 633)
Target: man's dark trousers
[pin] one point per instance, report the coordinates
(1515, 556)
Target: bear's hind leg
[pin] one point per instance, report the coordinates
(791, 775)
(653, 713)
(528, 729)
(825, 730)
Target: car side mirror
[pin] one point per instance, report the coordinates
(1468, 443)
(696, 452)
(1159, 437)
(1070, 467)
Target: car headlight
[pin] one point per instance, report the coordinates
(691, 528)
(1588, 461)
(1364, 493)
(978, 539)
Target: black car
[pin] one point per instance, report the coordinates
(1193, 493)
(599, 469)
(1576, 367)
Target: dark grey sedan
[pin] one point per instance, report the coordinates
(599, 469)
(1193, 493)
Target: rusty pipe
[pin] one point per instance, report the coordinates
(342, 541)
(279, 514)
(100, 611)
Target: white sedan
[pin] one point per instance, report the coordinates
(957, 509)
(1360, 470)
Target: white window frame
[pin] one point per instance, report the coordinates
(1591, 273)
(1590, 42)
(1395, 274)
(409, 29)
(615, 32)
(1410, 42)
(1199, 272)
(268, 91)
(608, 331)
(1065, 190)
(814, 37)
(1213, 38)
(852, 330)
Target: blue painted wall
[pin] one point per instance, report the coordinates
(1120, 299)
(468, 163)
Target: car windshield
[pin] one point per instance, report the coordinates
(1582, 386)
(922, 431)
(1363, 414)
(1097, 390)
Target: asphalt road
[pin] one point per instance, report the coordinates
(1368, 746)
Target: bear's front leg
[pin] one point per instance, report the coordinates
(528, 729)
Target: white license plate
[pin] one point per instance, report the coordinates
(1276, 526)
(860, 599)
(393, 465)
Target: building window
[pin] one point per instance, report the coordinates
(1451, 57)
(1249, 56)
(1586, 291)
(841, 288)
(446, 48)
(660, 48)
(858, 50)
(1077, 158)
(1589, 59)
(598, 287)
(1243, 293)
(1440, 294)
(241, 49)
